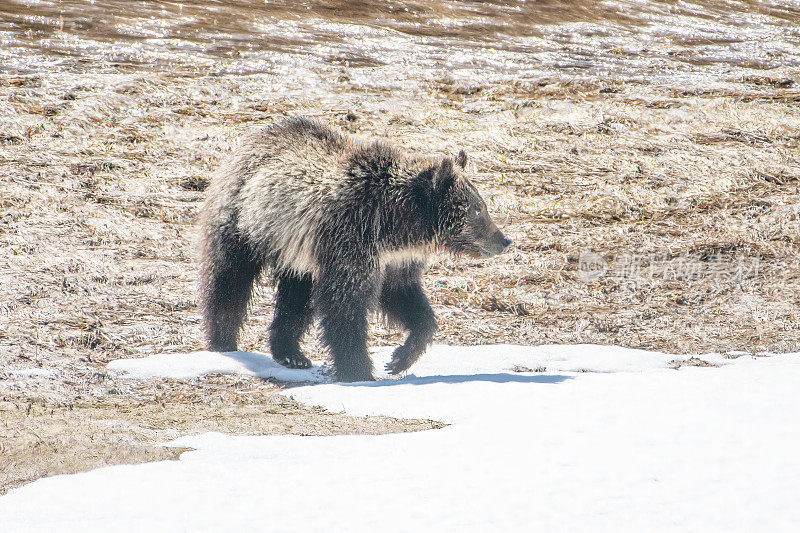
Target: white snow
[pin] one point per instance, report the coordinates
(33, 372)
(193, 365)
(605, 439)
(578, 358)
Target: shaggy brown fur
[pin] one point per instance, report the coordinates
(344, 227)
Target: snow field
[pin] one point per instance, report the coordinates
(605, 439)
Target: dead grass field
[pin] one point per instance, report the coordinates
(688, 200)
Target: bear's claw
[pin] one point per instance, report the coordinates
(396, 367)
(296, 360)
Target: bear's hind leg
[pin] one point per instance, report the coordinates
(293, 315)
(404, 302)
(227, 276)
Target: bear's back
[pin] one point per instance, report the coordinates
(286, 176)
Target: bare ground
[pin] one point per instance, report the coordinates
(687, 199)
(43, 438)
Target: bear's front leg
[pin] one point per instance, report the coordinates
(343, 298)
(404, 302)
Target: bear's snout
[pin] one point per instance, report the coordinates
(496, 244)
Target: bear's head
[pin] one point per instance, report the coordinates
(463, 222)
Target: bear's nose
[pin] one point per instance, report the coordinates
(506, 242)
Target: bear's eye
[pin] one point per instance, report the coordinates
(476, 211)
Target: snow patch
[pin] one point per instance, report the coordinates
(556, 358)
(605, 439)
(455, 359)
(197, 364)
(33, 372)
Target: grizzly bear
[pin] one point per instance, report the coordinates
(343, 227)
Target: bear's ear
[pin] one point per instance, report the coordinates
(444, 177)
(461, 159)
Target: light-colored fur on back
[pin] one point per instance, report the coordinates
(284, 184)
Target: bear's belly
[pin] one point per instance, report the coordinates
(297, 256)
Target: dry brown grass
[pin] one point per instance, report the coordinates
(101, 178)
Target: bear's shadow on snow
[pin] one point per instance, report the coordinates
(260, 363)
(462, 378)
